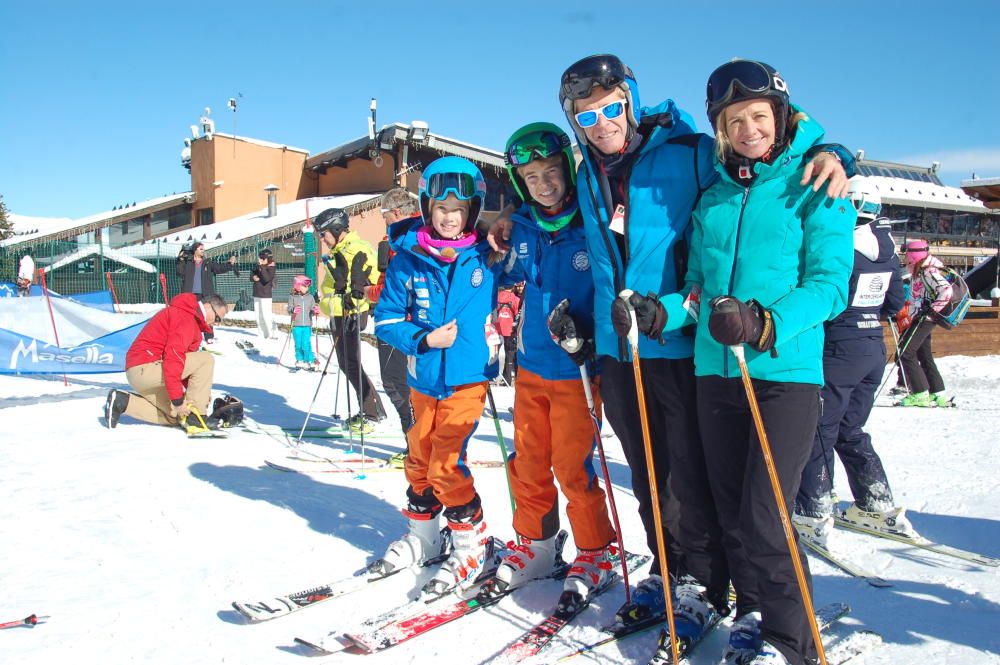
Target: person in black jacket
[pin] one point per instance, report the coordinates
(262, 277)
(853, 363)
(199, 274)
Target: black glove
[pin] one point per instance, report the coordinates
(338, 272)
(733, 322)
(384, 252)
(650, 317)
(562, 327)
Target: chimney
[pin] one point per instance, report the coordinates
(272, 200)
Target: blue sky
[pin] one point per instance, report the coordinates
(96, 97)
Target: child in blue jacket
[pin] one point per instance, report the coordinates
(437, 308)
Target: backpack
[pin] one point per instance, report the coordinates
(956, 309)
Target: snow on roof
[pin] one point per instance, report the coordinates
(31, 228)
(266, 144)
(113, 254)
(902, 191)
(247, 226)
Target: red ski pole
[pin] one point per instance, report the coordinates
(52, 316)
(26, 621)
(111, 286)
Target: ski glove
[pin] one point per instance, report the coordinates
(338, 272)
(734, 322)
(650, 317)
(563, 329)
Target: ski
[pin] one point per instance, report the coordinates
(921, 542)
(540, 636)
(247, 348)
(851, 646)
(295, 465)
(850, 567)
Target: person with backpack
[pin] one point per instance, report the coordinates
(930, 294)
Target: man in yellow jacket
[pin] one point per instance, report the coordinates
(351, 265)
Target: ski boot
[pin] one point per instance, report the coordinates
(473, 553)
(424, 543)
(768, 655)
(922, 399)
(693, 612)
(114, 407)
(891, 521)
(530, 560)
(942, 401)
(361, 424)
(814, 529)
(744, 640)
(590, 569)
(898, 391)
(647, 601)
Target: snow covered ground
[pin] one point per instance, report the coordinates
(136, 540)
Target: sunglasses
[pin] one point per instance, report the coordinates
(537, 145)
(609, 111)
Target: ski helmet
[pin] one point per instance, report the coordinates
(607, 71)
(865, 197)
(266, 254)
(453, 175)
(333, 220)
(916, 251)
(539, 140)
(740, 80)
(302, 280)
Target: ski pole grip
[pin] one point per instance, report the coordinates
(737, 350)
(633, 330)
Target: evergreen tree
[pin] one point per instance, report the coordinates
(6, 227)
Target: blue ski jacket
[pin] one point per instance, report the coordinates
(781, 243)
(672, 167)
(552, 266)
(422, 294)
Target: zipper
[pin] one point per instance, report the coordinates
(608, 246)
(732, 272)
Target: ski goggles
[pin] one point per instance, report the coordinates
(609, 111)
(916, 249)
(603, 70)
(866, 207)
(462, 185)
(745, 76)
(537, 145)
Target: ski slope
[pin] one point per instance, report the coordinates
(134, 541)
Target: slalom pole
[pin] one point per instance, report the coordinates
(111, 286)
(163, 283)
(48, 300)
(647, 440)
(786, 523)
(29, 621)
(503, 447)
(585, 378)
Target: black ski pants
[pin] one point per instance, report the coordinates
(691, 527)
(852, 370)
(392, 364)
(919, 369)
(346, 343)
(763, 573)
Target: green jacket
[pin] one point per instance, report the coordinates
(779, 242)
(349, 246)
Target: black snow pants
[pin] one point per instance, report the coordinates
(392, 363)
(917, 360)
(347, 344)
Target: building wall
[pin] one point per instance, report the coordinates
(357, 177)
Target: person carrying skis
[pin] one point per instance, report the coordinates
(437, 308)
(302, 308)
(853, 363)
(770, 261)
(350, 267)
(930, 292)
(553, 432)
(642, 172)
(262, 277)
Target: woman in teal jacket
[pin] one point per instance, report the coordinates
(770, 261)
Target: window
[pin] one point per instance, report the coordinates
(206, 216)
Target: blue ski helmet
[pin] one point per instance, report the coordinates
(607, 71)
(453, 175)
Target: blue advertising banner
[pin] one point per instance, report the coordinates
(20, 354)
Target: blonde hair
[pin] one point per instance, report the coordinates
(724, 147)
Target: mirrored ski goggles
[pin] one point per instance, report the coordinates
(605, 71)
(609, 111)
(748, 76)
(537, 145)
(462, 185)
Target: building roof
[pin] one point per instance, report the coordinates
(986, 190)
(397, 132)
(900, 191)
(266, 144)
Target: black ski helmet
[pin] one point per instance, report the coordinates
(605, 70)
(740, 80)
(334, 220)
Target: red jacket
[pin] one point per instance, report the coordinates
(507, 305)
(169, 336)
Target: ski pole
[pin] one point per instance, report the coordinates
(305, 423)
(32, 620)
(361, 385)
(899, 354)
(640, 393)
(786, 524)
(585, 378)
(285, 345)
(336, 393)
(503, 447)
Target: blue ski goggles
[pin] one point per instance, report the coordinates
(537, 145)
(609, 111)
(462, 185)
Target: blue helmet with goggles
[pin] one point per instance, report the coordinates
(609, 72)
(457, 176)
(740, 80)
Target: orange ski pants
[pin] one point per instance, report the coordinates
(437, 443)
(554, 439)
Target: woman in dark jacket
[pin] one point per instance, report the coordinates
(263, 282)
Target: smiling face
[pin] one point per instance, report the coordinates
(749, 126)
(449, 216)
(609, 134)
(545, 180)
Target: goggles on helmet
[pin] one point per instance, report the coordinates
(462, 185)
(915, 248)
(866, 207)
(537, 145)
(746, 77)
(609, 111)
(603, 70)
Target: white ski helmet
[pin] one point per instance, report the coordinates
(865, 197)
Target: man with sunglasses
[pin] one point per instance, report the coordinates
(643, 171)
(170, 376)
